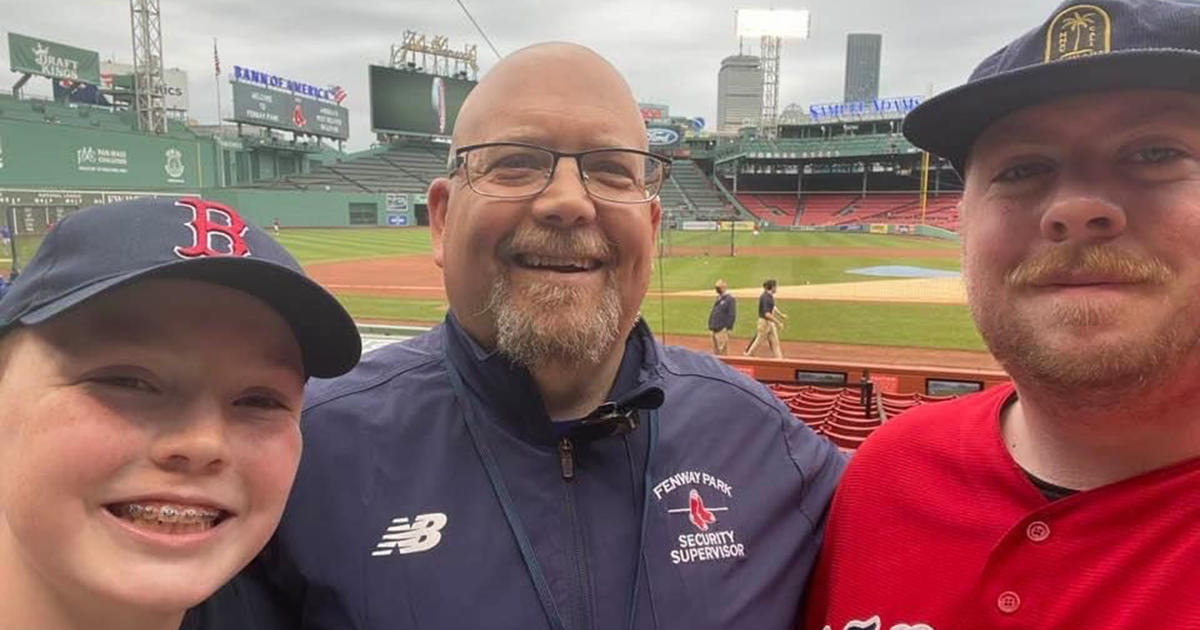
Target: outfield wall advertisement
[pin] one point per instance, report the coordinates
(53, 155)
(51, 59)
(415, 102)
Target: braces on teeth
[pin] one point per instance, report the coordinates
(169, 513)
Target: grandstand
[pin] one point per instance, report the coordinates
(840, 415)
(842, 175)
(703, 199)
(401, 167)
(836, 175)
(776, 209)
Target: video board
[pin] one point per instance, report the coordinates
(404, 101)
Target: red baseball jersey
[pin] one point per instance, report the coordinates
(935, 527)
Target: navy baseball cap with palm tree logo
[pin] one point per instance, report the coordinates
(104, 247)
(1084, 46)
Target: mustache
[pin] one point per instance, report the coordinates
(1107, 261)
(558, 243)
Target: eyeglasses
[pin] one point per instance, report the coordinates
(512, 170)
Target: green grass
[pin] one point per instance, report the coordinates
(865, 323)
(719, 241)
(918, 325)
(396, 309)
(315, 245)
(699, 272)
(915, 325)
(26, 246)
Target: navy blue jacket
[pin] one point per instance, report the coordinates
(723, 314)
(707, 516)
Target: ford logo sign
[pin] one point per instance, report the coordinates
(658, 136)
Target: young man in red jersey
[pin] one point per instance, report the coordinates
(1069, 499)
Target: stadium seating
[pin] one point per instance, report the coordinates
(79, 115)
(704, 199)
(905, 208)
(409, 167)
(838, 413)
(895, 208)
(674, 203)
(806, 148)
(775, 208)
(406, 167)
(824, 209)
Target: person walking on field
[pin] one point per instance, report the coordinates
(770, 320)
(720, 320)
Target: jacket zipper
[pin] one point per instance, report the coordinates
(566, 458)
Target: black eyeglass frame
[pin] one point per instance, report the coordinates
(459, 160)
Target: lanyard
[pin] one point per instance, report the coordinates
(540, 584)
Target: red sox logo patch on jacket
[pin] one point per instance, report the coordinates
(216, 230)
(705, 535)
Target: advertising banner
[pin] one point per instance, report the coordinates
(48, 155)
(699, 226)
(51, 59)
(654, 111)
(266, 107)
(396, 202)
(664, 137)
(880, 108)
(414, 102)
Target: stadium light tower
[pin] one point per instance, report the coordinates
(771, 26)
(149, 100)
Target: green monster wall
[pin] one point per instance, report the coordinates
(59, 155)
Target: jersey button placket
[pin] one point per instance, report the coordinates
(1008, 602)
(1037, 531)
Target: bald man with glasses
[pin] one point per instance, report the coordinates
(539, 460)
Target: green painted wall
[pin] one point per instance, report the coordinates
(305, 208)
(36, 154)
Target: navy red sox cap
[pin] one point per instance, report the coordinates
(1084, 47)
(105, 247)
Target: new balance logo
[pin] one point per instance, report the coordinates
(422, 534)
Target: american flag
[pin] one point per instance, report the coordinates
(216, 60)
(339, 94)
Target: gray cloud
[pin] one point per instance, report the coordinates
(669, 50)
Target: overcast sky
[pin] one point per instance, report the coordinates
(669, 50)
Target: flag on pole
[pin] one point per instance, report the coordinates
(216, 59)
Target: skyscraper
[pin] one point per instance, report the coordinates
(739, 92)
(862, 66)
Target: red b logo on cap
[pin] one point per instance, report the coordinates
(206, 232)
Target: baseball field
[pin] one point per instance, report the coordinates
(388, 275)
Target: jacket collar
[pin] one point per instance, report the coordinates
(509, 395)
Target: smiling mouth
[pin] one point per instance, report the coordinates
(168, 518)
(558, 264)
